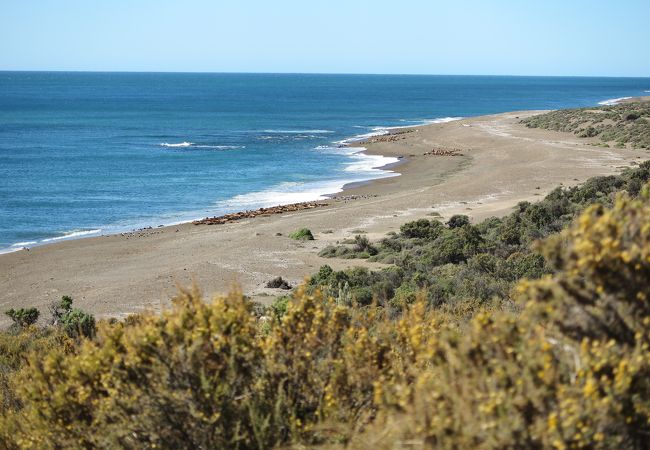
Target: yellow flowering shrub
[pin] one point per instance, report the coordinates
(180, 379)
(568, 367)
(571, 371)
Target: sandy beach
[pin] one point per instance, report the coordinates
(480, 166)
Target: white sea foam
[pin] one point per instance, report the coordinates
(69, 235)
(24, 244)
(377, 131)
(420, 122)
(361, 167)
(369, 164)
(18, 246)
(179, 144)
(10, 250)
(613, 101)
(339, 149)
(381, 130)
(646, 91)
(287, 193)
(72, 235)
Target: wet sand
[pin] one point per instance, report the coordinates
(498, 163)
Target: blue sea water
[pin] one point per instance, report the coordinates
(96, 153)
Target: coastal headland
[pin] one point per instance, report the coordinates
(481, 167)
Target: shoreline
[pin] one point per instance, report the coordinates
(352, 142)
(502, 163)
(358, 141)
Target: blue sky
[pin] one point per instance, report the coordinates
(549, 37)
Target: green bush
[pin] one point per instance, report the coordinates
(73, 321)
(625, 123)
(78, 323)
(23, 317)
(457, 221)
(502, 246)
(279, 306)
(303, 234)
(423, 229)
(361, 248)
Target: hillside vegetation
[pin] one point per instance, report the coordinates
(625, 124)
(471, 340)
(459, 265)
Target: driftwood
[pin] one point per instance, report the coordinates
(232, 217)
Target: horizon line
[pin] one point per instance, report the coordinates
(310, 73)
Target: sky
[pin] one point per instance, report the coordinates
(488, 37)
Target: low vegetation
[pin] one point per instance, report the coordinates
(458, 264)
(303, 234)
(626, 124)
(23, 317)
(471, 339)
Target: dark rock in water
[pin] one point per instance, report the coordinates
(278, 283)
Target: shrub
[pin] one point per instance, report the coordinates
(75, 322)
(179, 380)
(404, 295)
(303, 234)
(449, 248)
(323, 275)
(361, 243)
(457, 221)
(423, 229)
(23, 317)
(362, 295)
(279, 307)
(60, 308)
(16, 347)
(78, 323)
(625, 123)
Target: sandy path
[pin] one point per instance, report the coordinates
(503, 163)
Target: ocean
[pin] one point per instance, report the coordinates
(85, 154)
